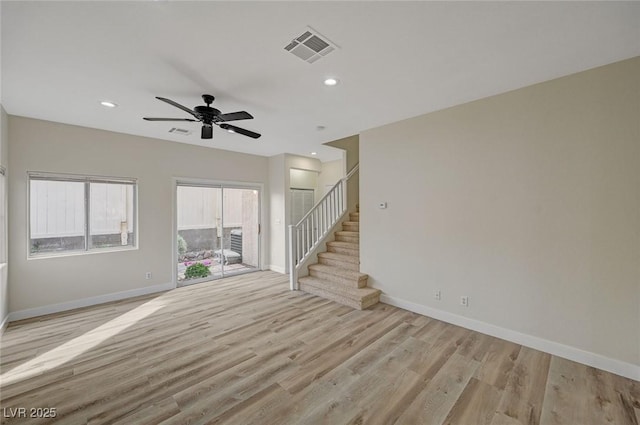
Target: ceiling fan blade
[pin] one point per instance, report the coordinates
(177, 105)
(235, 116)
(207, 132)
(233, 129)
(169, 119)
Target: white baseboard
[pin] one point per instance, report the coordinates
(86, 302)
(278, 269)
(598, 361)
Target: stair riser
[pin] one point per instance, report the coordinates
(351, 227)
(338, 279)
(345, 251)
(354, 217)
(337, 263)
(360, 304)
(353, 259)
(327, 285)
(365, 304)
(352, 239)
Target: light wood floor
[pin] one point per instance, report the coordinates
(246, 350)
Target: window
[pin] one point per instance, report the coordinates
(79, 213)
(3, 217)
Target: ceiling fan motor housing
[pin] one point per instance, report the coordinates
(207, 113)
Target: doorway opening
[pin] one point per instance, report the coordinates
(218, 231)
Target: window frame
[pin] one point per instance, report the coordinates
(4, 231)
(86, 180)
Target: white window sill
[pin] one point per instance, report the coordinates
(79, 253)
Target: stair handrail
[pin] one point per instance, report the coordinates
(306, 234)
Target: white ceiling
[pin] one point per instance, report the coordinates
(396, 60)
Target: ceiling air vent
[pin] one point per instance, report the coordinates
(310, 46)
(182, 131)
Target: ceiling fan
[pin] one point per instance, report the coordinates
(209, 116)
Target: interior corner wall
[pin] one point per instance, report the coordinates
(527, 202)
(277, 208)
(351, 145)
(4, 161)
(36, 145)
(332, 171)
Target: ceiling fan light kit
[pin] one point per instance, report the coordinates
(209, 117)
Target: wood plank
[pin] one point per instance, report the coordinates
(369, 357)
(524, 393)
(150, 415)
(565, 401)
(433, 404)
(605, 404)
(390, 381)
(502, 419)
(498, 364)
(248, 350)
(476, 405)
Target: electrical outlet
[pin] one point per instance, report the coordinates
(437, 295)
(464, 301)
(147, 275)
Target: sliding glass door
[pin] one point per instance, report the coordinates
(218, 231)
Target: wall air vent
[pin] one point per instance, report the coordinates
(180, 131)
(310, 46)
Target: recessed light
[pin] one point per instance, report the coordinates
(314, 153)
(330, 82)
(108, 104)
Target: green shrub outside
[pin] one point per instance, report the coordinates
(196, 270)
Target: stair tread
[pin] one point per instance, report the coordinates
(339, 271)
(345, 261)
(350, 292)
(340, 257)
(349, 222)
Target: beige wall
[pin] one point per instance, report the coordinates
(303, 179)
(351, 147)
(278, 189)
(527, 202)
(4, 160)
(45, 146)
(332, 171)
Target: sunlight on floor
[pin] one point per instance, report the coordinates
(81, 344)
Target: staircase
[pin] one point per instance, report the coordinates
(337, 275)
